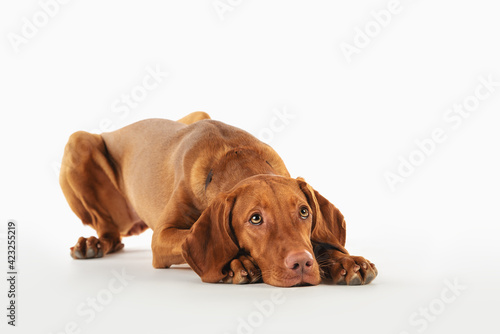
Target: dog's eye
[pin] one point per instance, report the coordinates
(304, 213)
(256, 219)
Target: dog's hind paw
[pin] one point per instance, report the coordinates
(86, 248)
(90, 248)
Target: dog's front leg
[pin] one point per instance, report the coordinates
(166, 246)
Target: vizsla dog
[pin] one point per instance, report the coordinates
(215, 197)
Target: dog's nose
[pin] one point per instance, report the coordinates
(300, 262)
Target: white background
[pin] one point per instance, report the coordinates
(351, 123)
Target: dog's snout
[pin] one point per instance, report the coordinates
(300, 262)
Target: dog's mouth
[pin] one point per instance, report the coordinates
(302, 284)
(286, 281)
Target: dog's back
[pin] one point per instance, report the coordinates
(174, 155)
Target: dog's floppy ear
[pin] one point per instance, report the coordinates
(211, 244)
(328, 225)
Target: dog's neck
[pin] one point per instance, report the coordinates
(235, 166)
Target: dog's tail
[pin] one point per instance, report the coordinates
(194, 117)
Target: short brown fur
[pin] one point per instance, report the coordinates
(197, 183)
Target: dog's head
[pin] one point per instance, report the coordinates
(274, 219)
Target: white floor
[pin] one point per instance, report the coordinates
(122, 293)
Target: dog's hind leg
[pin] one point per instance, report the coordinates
(89, 184)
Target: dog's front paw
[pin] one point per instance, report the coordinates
(243, 270)
(350, 270)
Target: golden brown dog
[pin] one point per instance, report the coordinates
(214, 196)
